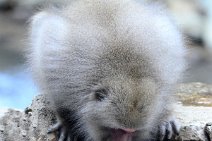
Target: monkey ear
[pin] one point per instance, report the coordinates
(48, 30)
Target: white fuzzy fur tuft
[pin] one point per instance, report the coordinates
(133, 49)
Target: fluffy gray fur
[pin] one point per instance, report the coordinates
(130, 49)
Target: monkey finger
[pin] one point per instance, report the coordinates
(69, 138)
(169, 131)
(54, 128)
(162, 132)
(175, 126)
(63, 135)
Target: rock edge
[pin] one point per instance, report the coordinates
(32, 125)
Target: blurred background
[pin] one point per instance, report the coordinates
(194, 17)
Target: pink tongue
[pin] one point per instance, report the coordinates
(122, 137)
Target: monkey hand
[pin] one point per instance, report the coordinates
(168, 129)
(60, 131)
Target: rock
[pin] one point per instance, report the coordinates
(207, 35)
(6, 5)
(208, 130)
(194, 17)
(194, 133)
(194, 88)
(198, 94)
(32, 125)
(194, 105)
(189, 14)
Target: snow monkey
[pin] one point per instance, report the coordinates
(109, 68)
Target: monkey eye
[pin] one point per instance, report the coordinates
(101, 94)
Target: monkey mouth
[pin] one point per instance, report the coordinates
(125, 134)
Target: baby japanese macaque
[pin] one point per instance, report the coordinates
(109, 68)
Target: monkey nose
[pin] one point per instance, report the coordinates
(128, 130)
